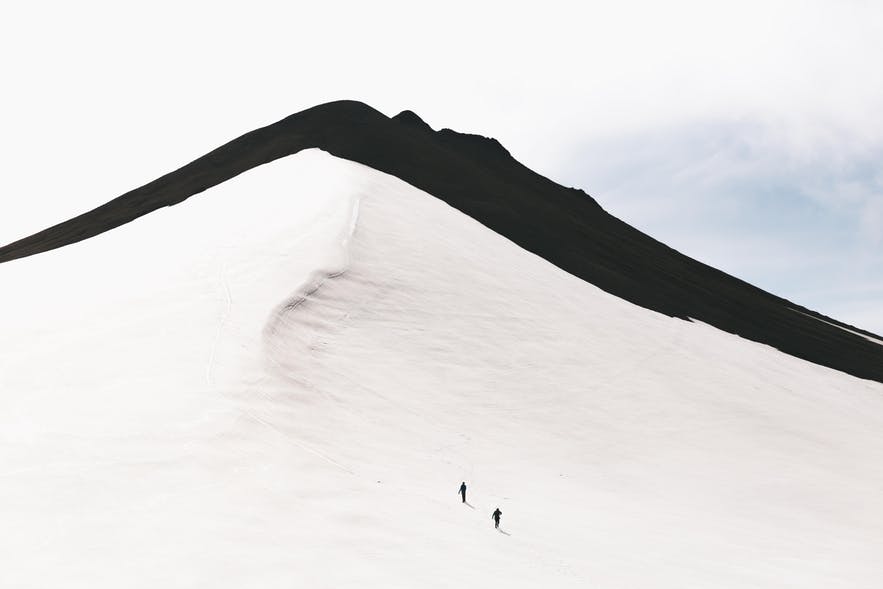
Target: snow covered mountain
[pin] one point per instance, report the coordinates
(284, 381)
(478, 176)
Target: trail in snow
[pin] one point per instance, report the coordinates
(225, 314)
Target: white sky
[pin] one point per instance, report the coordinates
(745, 134)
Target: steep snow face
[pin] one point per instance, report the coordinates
(284, 381)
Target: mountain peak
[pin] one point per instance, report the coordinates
(412, 119)
(477, 144)
(478, 176)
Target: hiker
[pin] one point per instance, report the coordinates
(463, 491)
(496, 515)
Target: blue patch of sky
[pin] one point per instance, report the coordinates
(803, 224)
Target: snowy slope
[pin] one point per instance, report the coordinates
(241, 392)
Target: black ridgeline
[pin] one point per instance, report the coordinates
(478, 176)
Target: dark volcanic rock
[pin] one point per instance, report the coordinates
(410, 118)
(478, 176)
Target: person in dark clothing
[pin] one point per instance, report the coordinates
(463, 491)
(496, 515)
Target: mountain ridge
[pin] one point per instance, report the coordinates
(478, 176)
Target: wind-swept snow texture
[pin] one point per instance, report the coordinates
(479, 177)
(276, 401)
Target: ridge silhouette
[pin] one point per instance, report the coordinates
(478, 176)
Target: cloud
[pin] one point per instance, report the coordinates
(805, 225)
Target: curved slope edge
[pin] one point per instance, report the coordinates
(478, 176)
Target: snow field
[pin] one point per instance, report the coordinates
(238, 391)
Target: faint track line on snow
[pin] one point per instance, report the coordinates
(299, 444)
(668, 348)
(225, 316)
